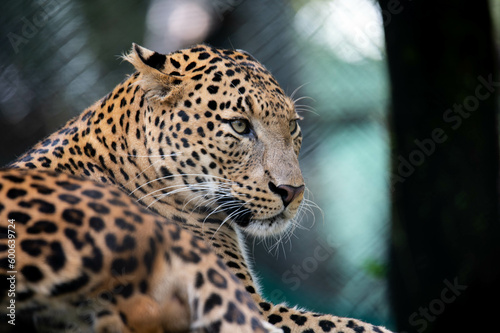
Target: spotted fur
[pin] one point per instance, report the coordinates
(207, 139)
(89, 259)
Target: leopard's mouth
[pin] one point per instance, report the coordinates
(261, 227)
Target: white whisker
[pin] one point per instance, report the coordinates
(180, 175)
(292, 95)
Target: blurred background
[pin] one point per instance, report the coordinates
(58, 56)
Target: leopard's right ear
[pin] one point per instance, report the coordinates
(154, 79)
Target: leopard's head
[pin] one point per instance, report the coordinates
(221, 134)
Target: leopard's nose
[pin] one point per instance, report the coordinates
(287, 193)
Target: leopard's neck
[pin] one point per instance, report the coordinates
(77, 148)
(108, 143)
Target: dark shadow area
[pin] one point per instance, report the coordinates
(445, 223)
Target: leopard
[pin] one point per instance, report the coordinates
(207, 139)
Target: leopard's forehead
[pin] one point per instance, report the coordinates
(229, 74)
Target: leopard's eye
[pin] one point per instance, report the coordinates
(240, 126)
(293, 126)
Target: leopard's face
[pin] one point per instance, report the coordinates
(220, 134)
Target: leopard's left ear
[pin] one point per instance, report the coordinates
(154, 79)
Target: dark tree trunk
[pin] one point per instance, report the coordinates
(446, 232)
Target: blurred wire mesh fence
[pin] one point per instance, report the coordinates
(59, 56)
